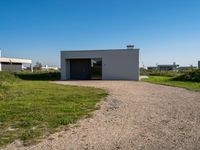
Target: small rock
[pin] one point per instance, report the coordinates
(50, 138)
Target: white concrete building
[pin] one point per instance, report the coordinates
(13, 64)
(113, 64)
(46, 67)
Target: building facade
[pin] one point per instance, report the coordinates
(13, 64)
(116, 64)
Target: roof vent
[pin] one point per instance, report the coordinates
(130, 46)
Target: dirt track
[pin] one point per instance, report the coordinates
(136, 115)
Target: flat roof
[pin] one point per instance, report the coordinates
(15, 60)
(100, 50)
(167, 65)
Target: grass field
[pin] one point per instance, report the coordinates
(30, 110)
(168, 81)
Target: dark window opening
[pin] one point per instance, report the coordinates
(96, 65)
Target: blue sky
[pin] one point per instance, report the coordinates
(164, 30)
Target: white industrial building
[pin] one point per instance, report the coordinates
(46, 67)
(13, 64)
(112, 64)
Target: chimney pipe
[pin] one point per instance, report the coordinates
(130, 46)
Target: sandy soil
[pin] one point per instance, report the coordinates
(136, 115)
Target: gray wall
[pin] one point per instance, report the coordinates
(116, 64)
(11, 67)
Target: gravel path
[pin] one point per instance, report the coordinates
(136, 115)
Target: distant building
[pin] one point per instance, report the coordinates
(46, 67)
(152, 68)
(173, 67)
(199, 64)
(167, 67)
(13, 64)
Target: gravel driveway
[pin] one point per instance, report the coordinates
(136, 115)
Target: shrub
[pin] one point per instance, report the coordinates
(39, 75)
(189, 76)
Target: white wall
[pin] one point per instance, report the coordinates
(116, 64)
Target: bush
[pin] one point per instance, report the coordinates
(39, 75)
(189, 76)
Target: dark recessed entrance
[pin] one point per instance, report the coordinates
(86, 69)
(80, 69)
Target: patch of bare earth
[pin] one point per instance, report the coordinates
(136, 115)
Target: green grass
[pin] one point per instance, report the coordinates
(170, 82)
(31, 110)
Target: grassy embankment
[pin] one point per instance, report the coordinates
(30, 110)
(163, 80)
(189, 80)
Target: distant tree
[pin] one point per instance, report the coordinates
(38, 66)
